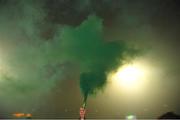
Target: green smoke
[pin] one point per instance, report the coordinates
(96, 56)
(32, 64)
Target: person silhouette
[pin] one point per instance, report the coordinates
(169, 115)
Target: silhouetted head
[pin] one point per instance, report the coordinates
(169, 115)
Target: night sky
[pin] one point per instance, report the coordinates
(56, 53)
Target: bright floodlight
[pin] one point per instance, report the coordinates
(129, 76)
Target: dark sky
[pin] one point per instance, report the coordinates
(46, 46)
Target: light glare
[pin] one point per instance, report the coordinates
(129, 77)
